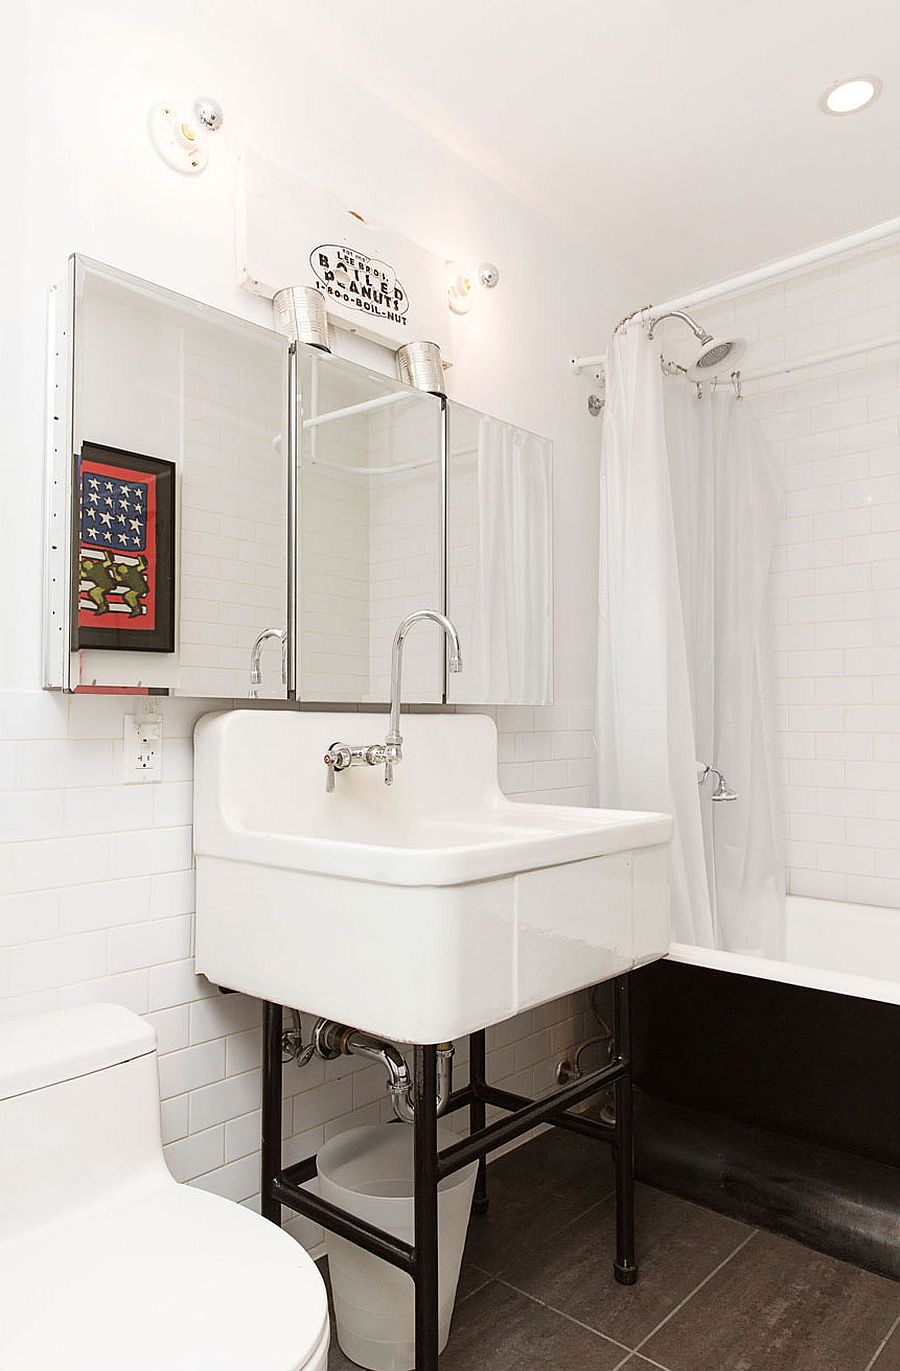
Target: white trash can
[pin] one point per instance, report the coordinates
(369, 1172)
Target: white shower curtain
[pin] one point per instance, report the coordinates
(645, 730)
(698, 528)
(512, 630)
(750, 879)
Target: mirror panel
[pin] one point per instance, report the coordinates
(190, 503)
(371, 532)
(178, 426)
(500, 559)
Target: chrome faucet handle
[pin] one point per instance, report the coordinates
(392, 750)
(336, 758)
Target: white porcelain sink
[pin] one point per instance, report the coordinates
(420, 911)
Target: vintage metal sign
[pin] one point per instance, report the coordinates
(376, 282)
(348, 276)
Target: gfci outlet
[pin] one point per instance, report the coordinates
(143, 748)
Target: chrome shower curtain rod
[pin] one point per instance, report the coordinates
(759, 276)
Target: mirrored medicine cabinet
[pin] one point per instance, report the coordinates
(230, 516)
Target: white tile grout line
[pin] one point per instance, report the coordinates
(493, 1276)
(672, 1312)
(474, 1291)
(884, 1342)
(595, 1204)
(563, 1315)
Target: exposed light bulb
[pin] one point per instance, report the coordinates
(462, 286)
(180, 134)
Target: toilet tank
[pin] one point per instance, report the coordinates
(79, 1113)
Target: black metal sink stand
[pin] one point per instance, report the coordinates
(285, 1185)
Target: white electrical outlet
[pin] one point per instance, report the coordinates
(143, 747)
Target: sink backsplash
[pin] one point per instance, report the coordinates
(96, 899)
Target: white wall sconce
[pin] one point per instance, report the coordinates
(461, 292)
(180, 134)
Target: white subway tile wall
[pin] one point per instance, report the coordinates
(96, 903)
(233, 514)
(334, 562)
(370, 552)
(835, 586)
(404, 547)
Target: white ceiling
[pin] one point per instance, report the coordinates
(680, 139)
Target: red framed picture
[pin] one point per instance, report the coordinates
(124, 543)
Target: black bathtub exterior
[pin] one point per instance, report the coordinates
(774, 1103)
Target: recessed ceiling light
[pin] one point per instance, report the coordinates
(849, 95)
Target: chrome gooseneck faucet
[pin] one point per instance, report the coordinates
(393, 743)
(387, 754)
(256, 653)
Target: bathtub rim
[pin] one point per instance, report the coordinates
(796, 973)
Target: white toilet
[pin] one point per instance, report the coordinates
(106, 1263)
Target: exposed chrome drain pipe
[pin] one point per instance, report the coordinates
(334, 1040)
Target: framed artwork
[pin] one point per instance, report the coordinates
(124, 545)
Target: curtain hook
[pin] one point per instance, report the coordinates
(699, 390)
(635, 314)
(738, 387)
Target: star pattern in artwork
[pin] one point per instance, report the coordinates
(120, 511)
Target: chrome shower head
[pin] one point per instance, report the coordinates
(723, 790)
(716, 354)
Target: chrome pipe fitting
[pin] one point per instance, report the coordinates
(334, 1040)
(698, 330)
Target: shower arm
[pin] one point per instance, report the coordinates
(698, 331)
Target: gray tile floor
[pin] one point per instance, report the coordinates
(537, 1292)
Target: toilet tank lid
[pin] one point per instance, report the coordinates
(45, 1049)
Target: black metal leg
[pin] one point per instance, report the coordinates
(271, 1110)
(426, 1210)
(280, 1185)
(477, 1115)
(625, 1266)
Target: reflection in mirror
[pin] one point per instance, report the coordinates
(500, 559)
(371, 520)
(163, 385)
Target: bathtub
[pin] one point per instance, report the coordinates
(849, 949)
(771, 1089)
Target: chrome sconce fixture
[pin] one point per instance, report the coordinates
(180, 134)
(461, 291)
(300, 315)
(421, 365)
